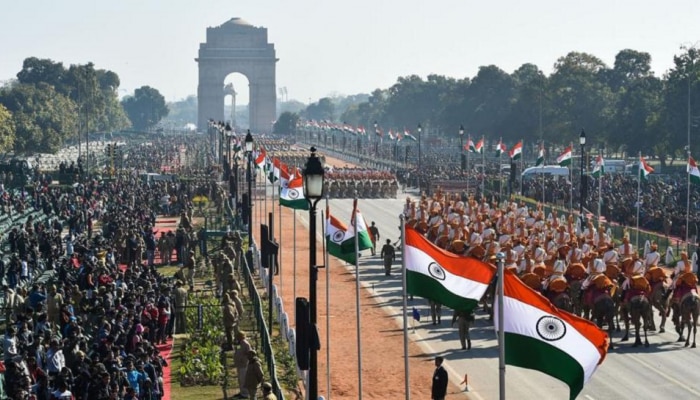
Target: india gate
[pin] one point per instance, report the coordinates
(237, 46)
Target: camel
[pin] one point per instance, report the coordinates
(689, 312)
(639, 308)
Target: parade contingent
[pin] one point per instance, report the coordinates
(579, 267)
(86, 310)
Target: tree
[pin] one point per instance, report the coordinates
(682, 83)
(531, 104)
(580, 98)
(286, 124)
(93, 90)
(42, 118)
(145, 108)
(324, 110)
(7, 130)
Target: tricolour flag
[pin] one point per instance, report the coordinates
(599, 167)
(364, 239)
(644, 168)
(260, 159)
(539, 336)
(500, 148)
(517, 151)
(335, 236)
(470, 146)
(408, 135)
(479, 146)
(292, 195)
(693, 172)
(540, 156)
(457, 282)
(564, 158)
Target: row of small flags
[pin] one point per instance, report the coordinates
(514, 153)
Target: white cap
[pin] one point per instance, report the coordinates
(559, 266)
(598, 265)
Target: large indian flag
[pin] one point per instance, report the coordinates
(644, 168)
(517, 151)
(336, 232)
(540, 156)
(457, 282)
(500, 148)
(564, 158)
(364, 239)
(479, 146)
(599, 167)
(693, 172)
(539, 336)
(261, 159)
(292, 195)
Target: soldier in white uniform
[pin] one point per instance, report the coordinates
(610, 256)
(598, 269)
(652, 257)
(626, 250)
(557, 274)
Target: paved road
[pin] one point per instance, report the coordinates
(664, 370)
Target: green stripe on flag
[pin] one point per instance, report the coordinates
(425, 286)
(527, 352)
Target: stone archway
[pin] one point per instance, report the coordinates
(237, 46)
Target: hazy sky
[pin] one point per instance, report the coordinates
(330, 47)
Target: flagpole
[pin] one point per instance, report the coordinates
(687, 207)
(469, 139)
(571, 182)
(501, 338)
(294, 263)
(543, 164)
(639, 185)
(357, 298)
(600, 188)
(407, 378)
(483, 165)
(328, 305)
(500, 175)
(279, 251)
(522, 166)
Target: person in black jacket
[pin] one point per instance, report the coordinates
(439, 389)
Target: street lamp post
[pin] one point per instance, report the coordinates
(313, 191)
(420, 181)
(227, 160)
(582, 142)
(461, 148)
(249, 152)
(376, 138)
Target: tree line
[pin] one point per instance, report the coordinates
(623, 108)
(49, 104)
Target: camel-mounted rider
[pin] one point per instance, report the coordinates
(556, 284)
(538, 256)
(654, 274)
(597, 283)
(511, 261)
(612, 262)
(684, 280)
(576, 270)
(635, 283)
(528, 277)
(627, 255)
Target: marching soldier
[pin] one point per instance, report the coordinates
(464, 320)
